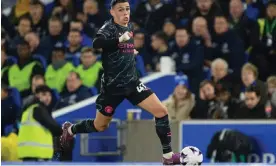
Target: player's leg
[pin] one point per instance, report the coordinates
(105, 106)
(147, 100)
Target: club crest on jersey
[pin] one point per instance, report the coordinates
(108, 109)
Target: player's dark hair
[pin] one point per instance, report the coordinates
(114, 2)
(254, 88)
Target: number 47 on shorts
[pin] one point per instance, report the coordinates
(141, 87)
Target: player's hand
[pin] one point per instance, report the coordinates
(136, 52)
(125, 37)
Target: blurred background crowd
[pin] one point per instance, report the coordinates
(224, 52)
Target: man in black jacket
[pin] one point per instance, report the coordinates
(188, 57)
(252, 108)
(228, 45)
(40, 111)
(246, 28)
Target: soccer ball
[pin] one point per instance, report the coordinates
(191, 156)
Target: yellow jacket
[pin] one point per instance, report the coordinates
(9, 148)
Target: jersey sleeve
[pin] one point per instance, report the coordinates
(106, 38)
(105, 32)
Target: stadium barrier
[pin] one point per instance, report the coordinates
(263, 131)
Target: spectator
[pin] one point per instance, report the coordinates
(219, 69)
(58, 70)
(268, 39)
(35, 45)
(10, 111)
(252, 107)
(202, 36)
(140, 46)
(74, 47)
(64, 10)
(246, 28)
(188, 57)
(169, 29)
(151, 14)
(90, 70)
(78, 25)
(249, 78)
(228, 46)
(7, 26)
(92, 17)
(74, 91)
(43, 128)
(54, 37)
(220, 75)
(24, 27)
(181, 102)
(206, 102)
(160, 46)
(183, 8)
(226, 105)
(271, 103)
(207, 9)
(37, 80)
(20, 74)
(38, 18)
(20, 9)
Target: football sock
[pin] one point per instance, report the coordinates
(84, 126)
(164, 133)
(168, 155)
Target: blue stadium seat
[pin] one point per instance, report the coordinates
(41, 59)
(16, 96)
(252, 13)
(12, 60)
(75, 60)
(94, 90)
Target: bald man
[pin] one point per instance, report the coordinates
(200, 28)
(202, 36)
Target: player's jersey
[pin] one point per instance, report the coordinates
(119, 64)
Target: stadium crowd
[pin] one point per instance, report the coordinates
(224, 52)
